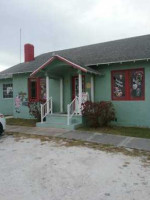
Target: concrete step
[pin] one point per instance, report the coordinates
(60, 121)
(62, 118)
(59, 125)
(56, 118)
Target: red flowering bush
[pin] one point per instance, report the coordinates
(98, 113)
(35, 110)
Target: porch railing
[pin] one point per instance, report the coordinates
(72, 109)
(46, 108)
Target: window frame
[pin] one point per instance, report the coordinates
(38, 90)
(12, 90)
(128, 97)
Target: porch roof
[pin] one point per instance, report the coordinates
(74, 65)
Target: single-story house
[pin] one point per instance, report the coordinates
(116, 71)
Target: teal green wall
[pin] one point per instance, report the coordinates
(67, 89)
(129, 113)
(20, 83)
(88, 84)
(6, 105)
(54, 92)
(67, 97)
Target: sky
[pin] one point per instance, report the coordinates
(60, 24)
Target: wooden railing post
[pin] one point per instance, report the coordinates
(41, 114)
(68, 116)
(47, 92)
(80, 92)
(51, 105)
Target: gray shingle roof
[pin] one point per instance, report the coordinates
(114, 51)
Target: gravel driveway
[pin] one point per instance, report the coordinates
(31, 169)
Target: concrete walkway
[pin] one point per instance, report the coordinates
(100, 138)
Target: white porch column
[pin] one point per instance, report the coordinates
(47, 91)
(61, 95)
(80, 92)
(92, 88)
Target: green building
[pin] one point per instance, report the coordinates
(117, 71)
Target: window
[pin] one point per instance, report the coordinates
(33, 89)
(8, 91)
(119, 85)
(42, 88)
(128, 84)
(137, 84)
(37, 89)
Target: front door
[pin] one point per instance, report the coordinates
(75, 86)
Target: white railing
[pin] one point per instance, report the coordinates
(46, 108)
(72, 109)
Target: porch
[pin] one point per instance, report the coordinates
(67, 86)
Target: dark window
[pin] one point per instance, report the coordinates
(128, 84)
(33, 89)
(8, 90)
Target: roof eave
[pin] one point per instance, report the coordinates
(10, 75)
(120, 62)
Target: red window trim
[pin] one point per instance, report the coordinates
(38, 90)
(127, 86)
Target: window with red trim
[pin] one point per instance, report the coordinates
(37, 89)
(128, 84)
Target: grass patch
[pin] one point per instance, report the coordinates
(21, 122)
(126, 131)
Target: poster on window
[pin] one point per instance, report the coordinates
(43, 89)
(118, 84)
(137, 83)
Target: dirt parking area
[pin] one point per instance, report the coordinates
(33, 169)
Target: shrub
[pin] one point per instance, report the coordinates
(98, 113)
(35, 110)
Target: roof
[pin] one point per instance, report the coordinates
(134, 48)
(74, 65)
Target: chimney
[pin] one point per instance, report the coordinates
(28, 52)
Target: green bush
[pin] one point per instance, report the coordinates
(98, 114)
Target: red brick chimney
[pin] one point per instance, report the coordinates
(28, 52)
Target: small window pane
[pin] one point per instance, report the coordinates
(137, 83)
(7, 90)
(118, 84)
